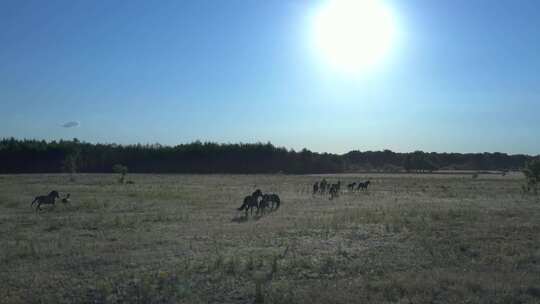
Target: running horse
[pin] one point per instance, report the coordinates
(49, 199)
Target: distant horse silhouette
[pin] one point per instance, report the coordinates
(251, 201)
(49, 199)
(322, 186)
(334, 190)
(351, 186)
(363, 185)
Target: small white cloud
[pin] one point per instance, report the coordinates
(71, 124)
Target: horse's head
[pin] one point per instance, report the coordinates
(54, 194)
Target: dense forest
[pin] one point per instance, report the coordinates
(35, 156)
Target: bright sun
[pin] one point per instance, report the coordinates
(353, 35)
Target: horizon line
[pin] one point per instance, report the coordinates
(253, 143)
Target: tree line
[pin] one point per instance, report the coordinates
(39, 156)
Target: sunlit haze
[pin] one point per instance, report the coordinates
(353, 35)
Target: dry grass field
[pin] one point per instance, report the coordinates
(179, 239)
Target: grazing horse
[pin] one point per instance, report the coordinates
(66, 200)
(322, 186)
(251, 201)
(45, 199)
(351, 186)
(363, 185)
(315, 188)
(334, 190)
(271, 201)
(274, 199)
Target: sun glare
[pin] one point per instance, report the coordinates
(353, 35)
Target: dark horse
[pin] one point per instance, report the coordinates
(334, 190)
(322, 186)
(251, 201)
(45, 199)
(363, 185)
(271, 201)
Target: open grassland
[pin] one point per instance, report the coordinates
(179, 239)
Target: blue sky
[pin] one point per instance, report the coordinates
(463, 77)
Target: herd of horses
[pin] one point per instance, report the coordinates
(324, 187)
(257, 201)
(260, 202)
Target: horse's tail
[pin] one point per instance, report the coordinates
(244, 205)
(34, 201)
